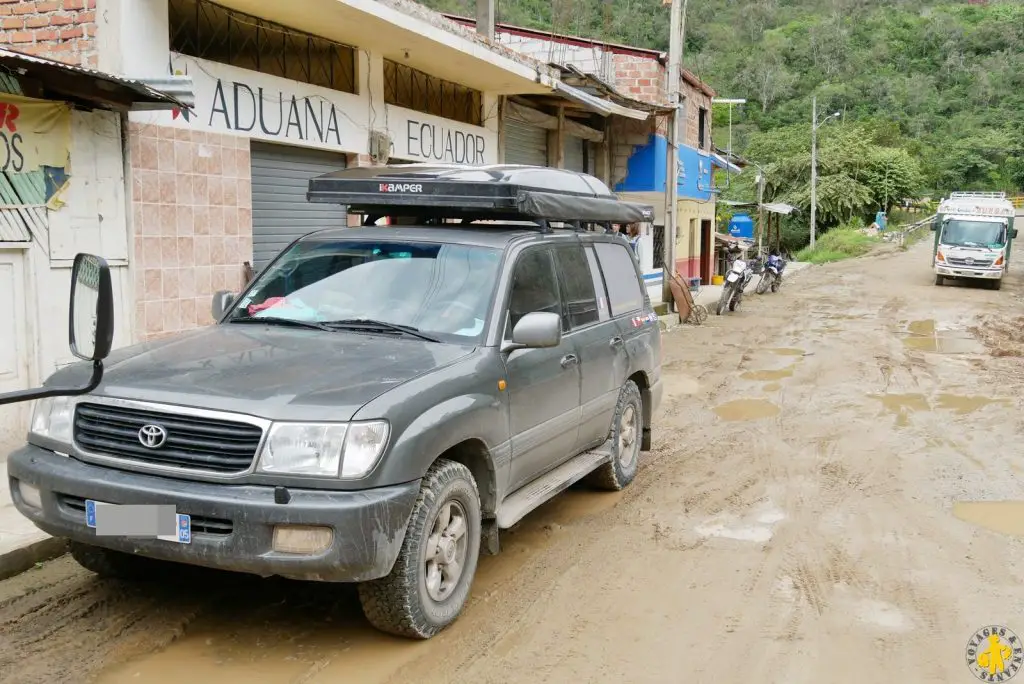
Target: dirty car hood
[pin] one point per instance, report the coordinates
(271, 372)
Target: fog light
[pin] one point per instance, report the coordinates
(30, 495)
(304, 539)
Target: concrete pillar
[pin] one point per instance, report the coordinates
(556, 142)
(485, 18)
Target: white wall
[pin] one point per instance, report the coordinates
(92, 219)
(590, 59)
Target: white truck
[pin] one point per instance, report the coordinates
(973, 234)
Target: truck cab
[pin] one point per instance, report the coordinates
(973, 235)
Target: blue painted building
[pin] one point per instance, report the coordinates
(646, 178)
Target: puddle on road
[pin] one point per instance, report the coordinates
(787, 351)
(926, 337)
(962, 405)
(1004, 517)
(746, 409)
(772, 387)
(902, 405)
(768, 375)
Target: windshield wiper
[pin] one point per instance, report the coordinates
(274, 320)
(372, 324)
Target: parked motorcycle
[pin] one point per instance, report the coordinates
(736, 281)
(771, 276)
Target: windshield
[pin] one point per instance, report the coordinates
(443, 290)
(973, 233)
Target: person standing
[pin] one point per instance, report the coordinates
(633, 235)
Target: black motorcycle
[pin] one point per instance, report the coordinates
(771, 276)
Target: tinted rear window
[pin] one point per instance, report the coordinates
(619, 271)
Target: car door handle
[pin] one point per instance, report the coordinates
(569, 360)
(615, 342)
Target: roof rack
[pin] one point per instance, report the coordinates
(501, 192)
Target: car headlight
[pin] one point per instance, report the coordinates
(53, 419)
(346, 450)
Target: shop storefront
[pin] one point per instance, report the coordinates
(62, 191)
(220, 189)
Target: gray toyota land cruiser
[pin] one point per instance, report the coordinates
(377, 404)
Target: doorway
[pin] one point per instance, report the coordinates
(706, 251)
(16, 348)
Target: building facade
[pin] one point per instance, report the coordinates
(283, 92)
(637, 148)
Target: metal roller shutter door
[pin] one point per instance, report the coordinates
(525, 144)
(575, 160)
(280, 212)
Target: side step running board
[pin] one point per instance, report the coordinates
(547, 486)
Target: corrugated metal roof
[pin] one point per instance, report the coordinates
(104, 91)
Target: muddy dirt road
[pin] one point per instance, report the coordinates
(808, 516)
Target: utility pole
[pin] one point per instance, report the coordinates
(677, 29)
(815, 125)
(814, 168)
(760, 211)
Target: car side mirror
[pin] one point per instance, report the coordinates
(537, 330)
(934, 226)
(222, 301)
(90, 326)
(1013, 233)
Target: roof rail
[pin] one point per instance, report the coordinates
(497, 192)
(977, 194)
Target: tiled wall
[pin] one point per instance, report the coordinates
(192, 218)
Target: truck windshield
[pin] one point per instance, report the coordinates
(973, 233)
(442, 290)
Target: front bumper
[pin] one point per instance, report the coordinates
(232, 525)
(967, 272)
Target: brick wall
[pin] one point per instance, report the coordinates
(642, 78)
(63, 30)
(192, 213)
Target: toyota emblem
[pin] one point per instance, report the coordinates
(968, 261)
(152, 436)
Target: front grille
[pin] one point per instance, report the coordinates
(200, 525)
(219, 446)
(976, 263)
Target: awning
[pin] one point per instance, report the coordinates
(723, 163)
(89, 87)
(779, 208)
(409, 33)
(597, 104)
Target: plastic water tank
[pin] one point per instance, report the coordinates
(741, 226)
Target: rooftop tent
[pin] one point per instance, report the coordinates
(505, 191)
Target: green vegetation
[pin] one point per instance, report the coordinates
(839, 243)
(938, 86)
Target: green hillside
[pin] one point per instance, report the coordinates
(940, 83)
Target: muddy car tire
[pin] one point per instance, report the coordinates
(413, 601)
(114, 564)
(626, 438)
(939, 280)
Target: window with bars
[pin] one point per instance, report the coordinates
(412, 89)
(204, 29)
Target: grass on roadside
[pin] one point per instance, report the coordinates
(836, 245)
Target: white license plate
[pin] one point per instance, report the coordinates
(140, 521)
(732, 278)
